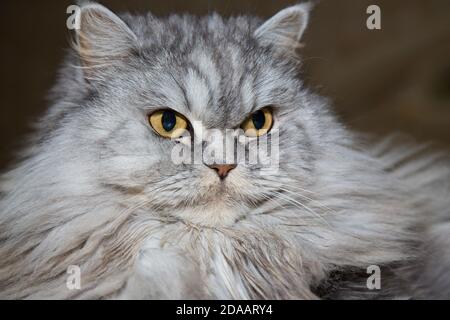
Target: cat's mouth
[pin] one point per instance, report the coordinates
(219, 205)
(206, 200)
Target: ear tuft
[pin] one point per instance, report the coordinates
(285, 29)
(103, 39)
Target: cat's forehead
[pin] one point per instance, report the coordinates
(218, 88)
(216, 79)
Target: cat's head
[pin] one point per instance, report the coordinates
(142, 77)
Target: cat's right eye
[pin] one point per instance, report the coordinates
(168, 123)
(259, 123)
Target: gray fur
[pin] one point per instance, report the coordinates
(97, 188)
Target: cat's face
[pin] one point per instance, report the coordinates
(211, 77)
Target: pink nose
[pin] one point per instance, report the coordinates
(222, 169)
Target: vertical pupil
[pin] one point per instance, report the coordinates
(259, 119)
(169, 120)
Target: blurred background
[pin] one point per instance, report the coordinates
(389, 80)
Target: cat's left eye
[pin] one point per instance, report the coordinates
(168, 123)
(259, 123)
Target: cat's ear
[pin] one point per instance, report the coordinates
(286, 28)
(102, 38)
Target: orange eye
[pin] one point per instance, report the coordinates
(168, 123)
(259, 123)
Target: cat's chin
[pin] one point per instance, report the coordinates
(219, 214)
(219, 203)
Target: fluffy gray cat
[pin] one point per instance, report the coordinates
(98, 187)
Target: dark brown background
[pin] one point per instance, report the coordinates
(396, 79)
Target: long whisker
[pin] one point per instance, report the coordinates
(296, 190)
(280, 183)
(299, 204)
(309, 199)
(277, 203)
